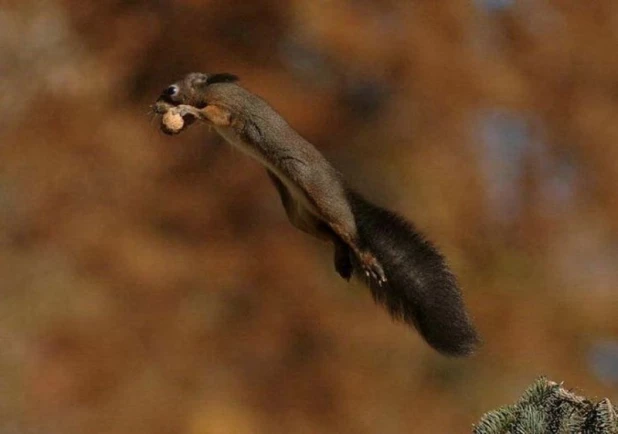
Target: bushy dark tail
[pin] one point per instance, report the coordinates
(420, 288)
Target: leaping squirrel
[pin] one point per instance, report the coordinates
(403, 270)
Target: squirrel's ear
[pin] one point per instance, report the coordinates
(223, 77)
(197, 80)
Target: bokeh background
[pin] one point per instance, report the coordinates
(151, 284)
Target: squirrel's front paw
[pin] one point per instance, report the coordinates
(188, 111)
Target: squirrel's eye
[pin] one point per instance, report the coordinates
(171, 91)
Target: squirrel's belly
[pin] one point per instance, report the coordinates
(230, 136)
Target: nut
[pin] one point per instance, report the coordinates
(172, 122)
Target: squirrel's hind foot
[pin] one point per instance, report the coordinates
(372, 268)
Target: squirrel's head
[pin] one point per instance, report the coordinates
(193, 89)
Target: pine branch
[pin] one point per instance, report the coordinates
(547, 408)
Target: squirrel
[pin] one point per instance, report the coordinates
(403, 270)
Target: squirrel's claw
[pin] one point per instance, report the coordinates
(373, 269)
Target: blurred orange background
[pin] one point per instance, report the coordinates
(154, 285)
